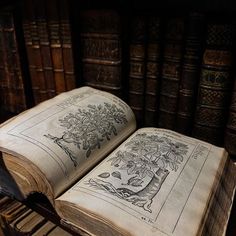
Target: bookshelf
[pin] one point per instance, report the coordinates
(55, 47)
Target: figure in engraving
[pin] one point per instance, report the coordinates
(87, 128)
(145, 156)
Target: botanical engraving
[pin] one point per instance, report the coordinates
(87, 128)
(145, 156)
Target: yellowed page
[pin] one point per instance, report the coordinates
(157, 182)
(68, 134)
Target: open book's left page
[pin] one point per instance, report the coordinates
(67, 135)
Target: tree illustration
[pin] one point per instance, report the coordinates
(145, 155)
(87, 128)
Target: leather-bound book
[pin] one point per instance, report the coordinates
(17, 219)
(27, 223)
(4, 201)
(38, 63)
(230, 131)
(17, 64)
(50, 229)
(67, 50)
(8, 79)
(29, 25)
(215, 84)
(153, 69)
(3, 70)
(100, 38)
(171, 72)
(190, 71)
(137, 55)
(52, 10)
(10, 210)
(16, 101)
(44, 46)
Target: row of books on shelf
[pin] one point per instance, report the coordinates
(187, 77)
(175, 71)
(17, 219)
(49, 64)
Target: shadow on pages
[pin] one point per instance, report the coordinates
(8, 186)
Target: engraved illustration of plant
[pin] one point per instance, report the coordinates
(146, 155)
(87, 128)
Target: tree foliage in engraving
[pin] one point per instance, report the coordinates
(145, 154)
(150, 156)
(88, 128)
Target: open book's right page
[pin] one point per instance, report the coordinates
(157, 181)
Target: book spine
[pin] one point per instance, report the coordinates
(67, 50)
(9, 210)
(10, 48)
(4, 202)
(190, 72)
(171, 72)
(137, 55)
(215, 84)
(230, 131)
(20, 97)
(101, 49)
(17, 218)
(3, 68)
(152, 71)
(9, 103)
(56, 45)
(28, 25)
(44, 45)
(14, 82)
(28, 224)
(37, 54)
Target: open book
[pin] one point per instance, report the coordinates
(82, 150)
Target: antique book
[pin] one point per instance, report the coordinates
(44, 47)
(27, 22)
(3, 69)
(35, 25)
(230, 130)
(215, 84)
(100, 37)
(11, 70)
(137, 70)
(9, 211)
(54, 30)
(31, 24)
(81, 149)
(193, 49)
(153, 69)
(17, 219)
(171, 72)
(67, 49)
